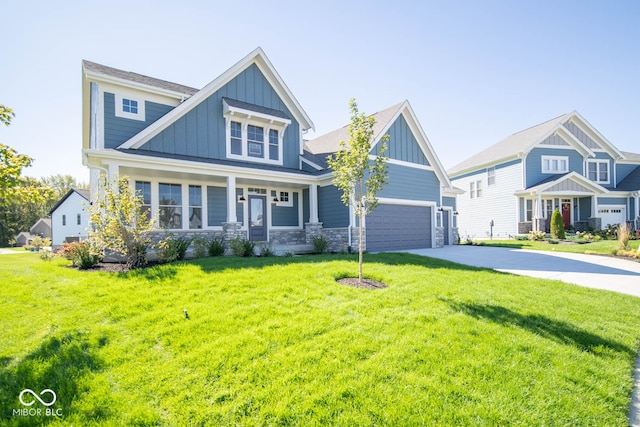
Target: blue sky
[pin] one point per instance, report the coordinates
(473, 71)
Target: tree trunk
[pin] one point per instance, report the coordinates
(361, 247)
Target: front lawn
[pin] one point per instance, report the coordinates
(275, 341)
(601, 247)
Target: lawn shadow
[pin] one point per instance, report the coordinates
(558, 331)
(58, 364)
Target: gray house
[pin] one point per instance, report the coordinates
(230, 160)
(514, 186)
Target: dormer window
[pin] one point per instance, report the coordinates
(254, 133)
(129, 107)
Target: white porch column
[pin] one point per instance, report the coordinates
(231, 199)
(112, 178)
(594, 206)
(313, 203)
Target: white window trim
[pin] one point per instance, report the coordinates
(491, 173)
(141, 115)
(551, 159)
(598, 162)
(287, 204)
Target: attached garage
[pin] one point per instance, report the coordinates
(391, 227)
(612, 215)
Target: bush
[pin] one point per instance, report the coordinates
(38, 242)
(320, 244)
(216, 247)
(537, 235)
(266, 250)
(200, 247)
(171, 248)
(81, 254)
(242, 247)
(557, 226)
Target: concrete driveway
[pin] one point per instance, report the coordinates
(592, 271)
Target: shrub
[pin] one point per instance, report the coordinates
(557, 226)
(81, 254)
(171, 248)
(38, 242)
(200, 247)
(216, 247)
(266, 250)
(320, 244)
(624, 233)
(242, 247)
(537, 235)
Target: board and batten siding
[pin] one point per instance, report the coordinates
(332, 213)
(534, 163)
(497, 202)
(117, 130)
(402, 144)
(201, 132)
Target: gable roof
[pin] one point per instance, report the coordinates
(45, 221)
(81, 192)
(555, 183)
(319, 148)
(257, 57)
(109, 73)
(520, 143)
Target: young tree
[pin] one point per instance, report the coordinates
(355, 174)
(119, 224)
(557, 225)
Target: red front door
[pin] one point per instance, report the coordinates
(566, 214)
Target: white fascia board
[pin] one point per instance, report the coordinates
(104, 157)
(403, 163)
(310, 163)
(594, 134)
(483, 166)
(103, 78)
(567, 136)
(407, 202)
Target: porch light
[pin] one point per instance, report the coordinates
(440, 209)
(241, 199)
(455, 212)
(275, 200)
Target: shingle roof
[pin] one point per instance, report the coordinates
(630, 182)
(138, 78)
(81, 192)
(631, 156)
(509, 147)
(330, 142)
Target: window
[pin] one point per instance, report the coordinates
(64, 220)
(79, 219)
(598, 171)
(478, 189)
(255, 141)
(529, 211)
(285, 198)
(143, 189)
(472, 190)
(273, 144)
(549, 208)
(555, 164)
(170, 206)
(491, 176)
(236, 138)
(129, 107)
(195, 207)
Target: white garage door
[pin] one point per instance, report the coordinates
(612, 215)
(391, 227)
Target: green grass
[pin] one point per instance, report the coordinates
(275, 341)
(601, 247)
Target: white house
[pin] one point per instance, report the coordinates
(70, 217)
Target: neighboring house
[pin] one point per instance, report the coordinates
(514, 186)
(23, 239)
(70, 217)
(230, 160)
(41, 228)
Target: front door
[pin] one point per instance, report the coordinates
(566, 214)
(257, 219)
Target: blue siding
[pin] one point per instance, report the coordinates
(332, 212)
(285, 216)
(623, 170)
(411, 183)
(306, 209)
(117, 130)
(534, 163)
(522, 212)
(449, 201)
(216, 206)
(201, 131)
(402, 144)
(584, 204)
(632, 209)
(308, 168)
(612, 201)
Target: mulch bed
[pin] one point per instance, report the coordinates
(366, 283)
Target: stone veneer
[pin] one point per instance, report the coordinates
(524, 227)
(287, 237)
(439, 237)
